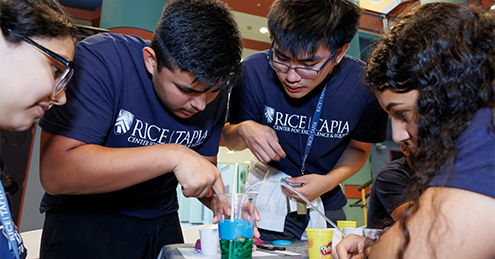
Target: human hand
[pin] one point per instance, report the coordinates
(248, 210)
(313, 186)
(197, 176)
(351, 246)
(256, 232)
(262, 141)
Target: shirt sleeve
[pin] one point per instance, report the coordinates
(88, 114)
(245, 98)
(474, 165)
(391, 186)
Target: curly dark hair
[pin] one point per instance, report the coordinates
(302, 25)
(35, 18)
(200, 37)
(9, 184)
(446, 52)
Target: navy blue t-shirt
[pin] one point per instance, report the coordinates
(474, 165)
(111, 102)
(349, 111)
(388, 191)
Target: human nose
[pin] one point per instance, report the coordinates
(292, 76)
(60, 99)
(399, 131)
(199, 101)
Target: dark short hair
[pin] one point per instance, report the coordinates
(200, 37)
(302, 25)
(35, 18)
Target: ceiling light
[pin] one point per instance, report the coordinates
(493, 7)
(263, 30)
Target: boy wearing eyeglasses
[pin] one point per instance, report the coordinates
(143, 116)
(303, 111)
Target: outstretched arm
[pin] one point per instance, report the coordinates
(450, 223)
(69, 166)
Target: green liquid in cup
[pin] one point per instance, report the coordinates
(239, 248)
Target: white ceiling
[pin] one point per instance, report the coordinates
(250, 25)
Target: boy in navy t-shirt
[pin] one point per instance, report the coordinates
(142, 117)
(304, 77)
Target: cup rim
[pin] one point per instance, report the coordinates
(236, 194)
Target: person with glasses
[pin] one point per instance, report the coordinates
(143, 116)
(434, 74)
(37, 41)
(302, 109)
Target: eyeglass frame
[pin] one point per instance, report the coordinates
(271, 61)
(68, 72)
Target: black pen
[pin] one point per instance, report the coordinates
(271, 248)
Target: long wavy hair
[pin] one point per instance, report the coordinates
(446, 52)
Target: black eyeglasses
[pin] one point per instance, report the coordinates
(304, 72)
(65, 76)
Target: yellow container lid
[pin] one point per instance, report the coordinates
(319, 232)
(346, 224)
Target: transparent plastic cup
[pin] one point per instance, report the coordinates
(236, 224)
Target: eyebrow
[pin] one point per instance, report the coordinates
(58, 61)
(64, 56)
(390, 106)
(309, 59)
(190, 89)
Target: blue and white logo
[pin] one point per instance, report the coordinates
(269, 114)
(123, 122)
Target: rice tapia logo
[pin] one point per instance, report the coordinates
(269, 114)
(123, 122)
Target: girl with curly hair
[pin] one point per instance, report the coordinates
(434, 74)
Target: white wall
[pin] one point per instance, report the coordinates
(31, 218)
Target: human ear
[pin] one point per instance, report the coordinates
(405, 149)
(150, 60)
(341, 52)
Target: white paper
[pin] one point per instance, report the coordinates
(192, 253)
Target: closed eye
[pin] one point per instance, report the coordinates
(185, 91)
(309, 65)
(281, 59)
